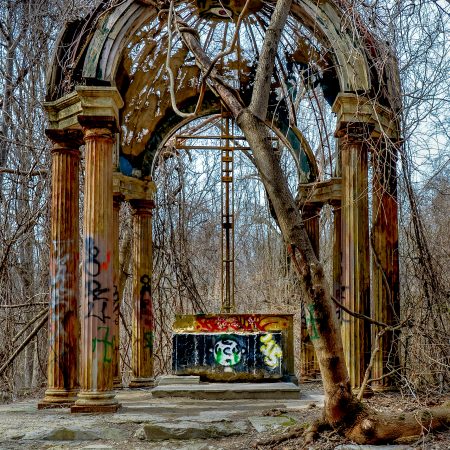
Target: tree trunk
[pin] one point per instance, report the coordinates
(341, 410)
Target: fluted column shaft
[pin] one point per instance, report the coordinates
(385, 263)
(337, 255)
(355, 251)
(62, 369)
(142, 321)
(117, 295)
(309, 364)
(97, 307)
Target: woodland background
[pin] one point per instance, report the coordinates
(187, 217)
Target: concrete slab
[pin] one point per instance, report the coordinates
(23, 426)
(229, 391)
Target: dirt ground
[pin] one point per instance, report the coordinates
(386, 402)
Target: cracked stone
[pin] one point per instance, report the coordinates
(190, 430)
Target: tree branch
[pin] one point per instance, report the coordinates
(230, 49)
(261, 90)
(33, 173)
(28, 325)
(24, 343)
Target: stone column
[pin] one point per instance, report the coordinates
(337, 254)
(142, 321)
(355, 248)
(117, 295)
(385, 263)
(97, 307)
(62, 369)
(309, 364)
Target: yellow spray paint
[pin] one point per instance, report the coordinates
(271, 350)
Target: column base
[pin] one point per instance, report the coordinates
(368, 391)
(141, 383)
(117, 383)
(58, 398)
(96, 402)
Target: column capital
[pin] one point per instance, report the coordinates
(118, 198)
(354, 132)
(62, 113)
(97, 125)
(92, 101)
(142, 206)
(66, 140)
(310, 210)
(336, 205)
(352, 109)
(100, 102)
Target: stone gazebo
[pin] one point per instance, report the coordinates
(106, 91)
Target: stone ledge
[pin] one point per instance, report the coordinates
(230, 391)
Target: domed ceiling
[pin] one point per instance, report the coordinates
(302, 64)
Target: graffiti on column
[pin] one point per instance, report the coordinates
(148, 340)
(107, 344)
(146, 310)
(116, 304)
(96, 293)
(60, 291)
(312, 323)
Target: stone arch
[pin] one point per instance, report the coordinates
(103, 47)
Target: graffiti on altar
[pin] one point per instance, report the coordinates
(241, 322)
(237, 355)
(97, 294)
(227, 352)
(107, 344)
(271, 350)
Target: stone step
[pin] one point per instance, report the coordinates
(164, 380)
(229, 391)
